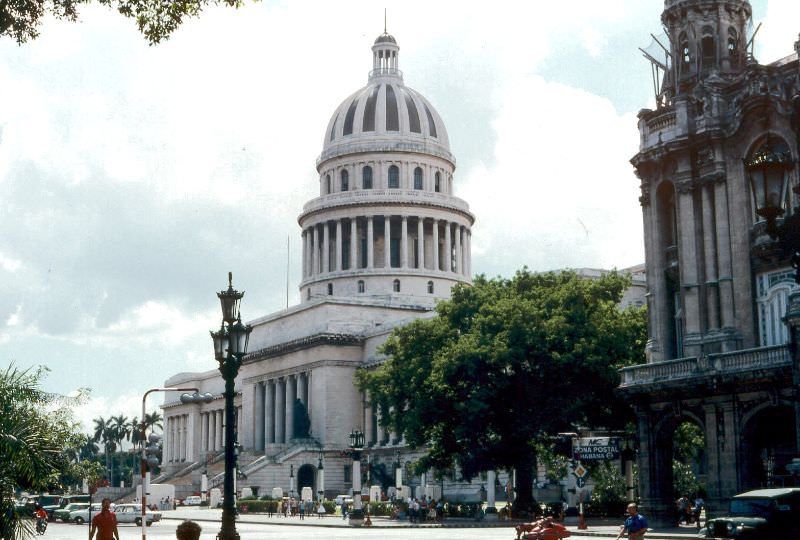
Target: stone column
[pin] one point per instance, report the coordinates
(420, 242)
(381, 430)
(404, 241)
(370, 243)
(326, 248)
(318, 250)
(435, 242)
(387, 241)
(184, 433)
(710, 254)
(469, 253)
(212, 431)
(258, 417)
(280, 411)
(203, 432)
(305, 253)
(688, 266)
(339, 245)
(269, 412)
(353, 243)
(309, 269)
(304, 389)
(369, 434)
(448, 257)
(490, 480)
(714, 473)
(724, 268)
(220, 429)
(459, 250)
(291, 395)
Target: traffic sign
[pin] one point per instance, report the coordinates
(580, 481)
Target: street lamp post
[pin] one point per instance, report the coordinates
(321, 481)
(230, 346)
(291, 481)
(356, 447)
(151, 460)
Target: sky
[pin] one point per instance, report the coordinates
(134, 177)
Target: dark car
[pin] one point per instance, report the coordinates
(764, 514)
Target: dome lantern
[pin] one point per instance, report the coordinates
(385, 52)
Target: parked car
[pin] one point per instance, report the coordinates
(192, 500)
(132, 513)
(82, 516)
(764, 514)
(63, 513)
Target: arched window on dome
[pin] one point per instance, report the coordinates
(327, 184)
(686, 56)
(437, 182)
(394, 177)
(430, 287)
(418, 178)
(366, 177)
(361, 286)
(345, 180)
(396, 285)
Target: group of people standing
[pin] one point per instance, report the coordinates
(687, 512)
(424, 509)
(292, 507)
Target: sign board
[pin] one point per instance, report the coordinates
(580, 481)
(596, 448)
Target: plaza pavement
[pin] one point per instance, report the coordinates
(596, 528)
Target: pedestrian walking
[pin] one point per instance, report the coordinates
(302, 510)
(697, 509)
(635, 525)
(105, 523)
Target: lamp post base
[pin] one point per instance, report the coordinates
(228, 530)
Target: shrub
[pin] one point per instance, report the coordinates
(254, 505)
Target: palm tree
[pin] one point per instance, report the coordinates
(153, 420)
(135, 429)
(32, 437)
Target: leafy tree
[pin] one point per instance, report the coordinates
(156, 19)
(608, 494)
(504, 364)
(35, 427)
(153, 420)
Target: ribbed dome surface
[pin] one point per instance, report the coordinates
(386, 114)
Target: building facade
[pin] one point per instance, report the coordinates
(717, 285)
(384, 240)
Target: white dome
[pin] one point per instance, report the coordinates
(385, 115)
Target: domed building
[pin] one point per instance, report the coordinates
(384, 240)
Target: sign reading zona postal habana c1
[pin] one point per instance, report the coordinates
(596, 448)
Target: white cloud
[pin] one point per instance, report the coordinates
(779, 30)
(129, 405)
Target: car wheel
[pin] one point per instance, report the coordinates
(138, 522)
(79, 520)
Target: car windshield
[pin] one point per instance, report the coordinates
(752, 507)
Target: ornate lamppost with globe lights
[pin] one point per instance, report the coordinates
(230, 346)
(356, 447)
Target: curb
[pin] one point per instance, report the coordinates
(329, 525)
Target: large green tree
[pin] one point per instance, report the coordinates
(35, 428)
(156, 19)
(503, 365)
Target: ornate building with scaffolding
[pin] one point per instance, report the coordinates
(717, 285)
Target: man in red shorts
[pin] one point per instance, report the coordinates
(105, 523)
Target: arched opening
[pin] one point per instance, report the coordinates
(366, 177)
(430, 287)
(361, 287)
(708, 48)
(733, 47)
(306, 477)
(327, 184)
(396, 285)
(394, 177)
(418, 178)
(330, 289)
(685, 54)
(345, 180)
(437, 183)
(768, 445)
(681, 460)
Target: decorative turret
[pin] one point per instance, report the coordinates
(384, 57)
(706, 36)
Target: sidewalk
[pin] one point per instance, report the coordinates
(596, 528)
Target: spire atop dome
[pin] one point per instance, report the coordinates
(384, 56)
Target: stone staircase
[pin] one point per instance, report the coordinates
(251, 464)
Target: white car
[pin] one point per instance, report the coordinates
(82, 516)
(192, 500)
(132, 513)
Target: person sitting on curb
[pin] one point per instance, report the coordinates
(635, 525)
(188, 530)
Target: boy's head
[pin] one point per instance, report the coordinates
(188, 530)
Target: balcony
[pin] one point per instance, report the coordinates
(386, 196)
(723, 365)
